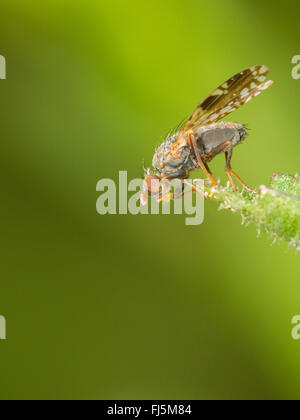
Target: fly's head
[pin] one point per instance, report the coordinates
(156, 186)
(151, 186)
(168, 162)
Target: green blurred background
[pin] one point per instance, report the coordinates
(107, 307)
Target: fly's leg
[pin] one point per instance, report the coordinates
(230, 172)
(180, 191)
(200, 162)
(207, 168)
(181, 173)
(228, 156)
(166, 194)
(194, 188)
(242, 182)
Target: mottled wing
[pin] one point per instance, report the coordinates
(228, 97)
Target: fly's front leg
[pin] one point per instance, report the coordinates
(181, 173)
(166, 193)
(200, 163)
(180, 190)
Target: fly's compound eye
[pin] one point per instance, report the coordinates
(152, 186)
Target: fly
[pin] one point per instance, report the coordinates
(202, 136)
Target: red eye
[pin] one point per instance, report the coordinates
(151, 186)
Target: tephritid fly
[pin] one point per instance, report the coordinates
(202, 137)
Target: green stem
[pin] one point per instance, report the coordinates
(274, 209)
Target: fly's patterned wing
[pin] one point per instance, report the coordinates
(228, 97)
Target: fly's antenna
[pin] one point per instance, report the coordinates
(146, 170)
(143, 165)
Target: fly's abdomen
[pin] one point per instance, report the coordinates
(213, 136)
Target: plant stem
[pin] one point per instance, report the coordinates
(274, 209)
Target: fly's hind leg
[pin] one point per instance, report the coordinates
(200, 162)
(228, 169)
(230, 173)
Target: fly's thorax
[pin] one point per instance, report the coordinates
(162, 152)
(168, 162)
(211, 136)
